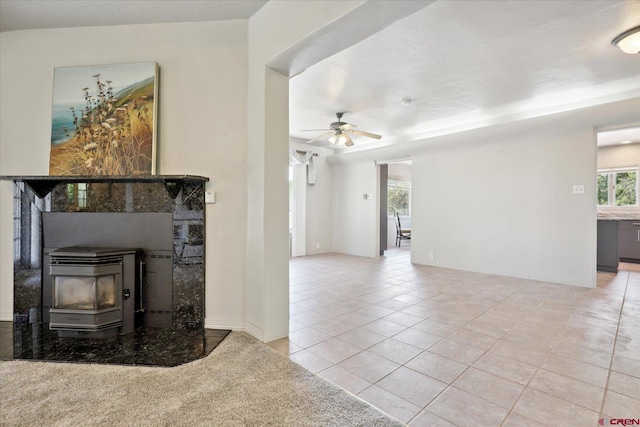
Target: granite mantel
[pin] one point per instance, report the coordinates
(43, 184)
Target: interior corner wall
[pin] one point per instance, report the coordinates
(355, 208)
(499, 200)
(319, 201)
(202, 127)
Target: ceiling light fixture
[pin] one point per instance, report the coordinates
(629, 41)
(338, 139)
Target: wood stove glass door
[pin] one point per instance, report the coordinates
(84, 292)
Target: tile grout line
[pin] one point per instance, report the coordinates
(471, 365)
(615, 344)
(458, 328)
(423, 351)
(526, 387)
(467, 368)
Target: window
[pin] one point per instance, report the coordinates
(618, 187)
(77, 194)
(398, 197)
(82, 195)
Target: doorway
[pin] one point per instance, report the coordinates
(395, 206)
(618, 188)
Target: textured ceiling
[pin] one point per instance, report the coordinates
(456, 63)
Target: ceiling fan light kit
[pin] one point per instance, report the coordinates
(629, 41)
(339, 133)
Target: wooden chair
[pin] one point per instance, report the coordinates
(401, 233)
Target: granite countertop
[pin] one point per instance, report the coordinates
(617, 217)
(619, 213)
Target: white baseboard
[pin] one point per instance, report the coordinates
(234, 325)
(254, 330)
(6, 316)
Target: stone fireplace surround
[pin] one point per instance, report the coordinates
(57, 211)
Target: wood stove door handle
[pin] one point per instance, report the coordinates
(141, 286)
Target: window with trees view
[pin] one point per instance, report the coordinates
(618, 188)
(398, 197)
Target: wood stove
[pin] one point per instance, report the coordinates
(96, 292)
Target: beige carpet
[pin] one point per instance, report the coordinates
(241, 383)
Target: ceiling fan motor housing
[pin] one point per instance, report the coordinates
(337, 125)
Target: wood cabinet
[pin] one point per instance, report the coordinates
(608, 246)
(629, 241)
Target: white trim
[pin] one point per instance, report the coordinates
(234, 325)
(619, 169)
(6, 316)
(254, 330)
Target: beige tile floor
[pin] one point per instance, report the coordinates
(433, 346)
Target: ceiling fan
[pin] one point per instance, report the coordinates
(340, 131)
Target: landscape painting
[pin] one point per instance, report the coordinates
(103, 120)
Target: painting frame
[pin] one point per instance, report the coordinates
(104, 120)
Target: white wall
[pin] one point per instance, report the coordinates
(298, 210)
(202, 126)
(502, 202)
(496, 199)
(319, 201)
(355, 220)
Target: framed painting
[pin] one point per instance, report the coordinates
(103, 120)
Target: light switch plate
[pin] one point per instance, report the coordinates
(578, 189)
(209, 196)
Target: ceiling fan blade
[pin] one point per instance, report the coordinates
(348, 141)
(324, 135)
(363, 133)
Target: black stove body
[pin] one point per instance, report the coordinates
(94, 292)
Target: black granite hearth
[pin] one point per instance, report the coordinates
(146, 346)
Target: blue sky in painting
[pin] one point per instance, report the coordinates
(68, 82)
